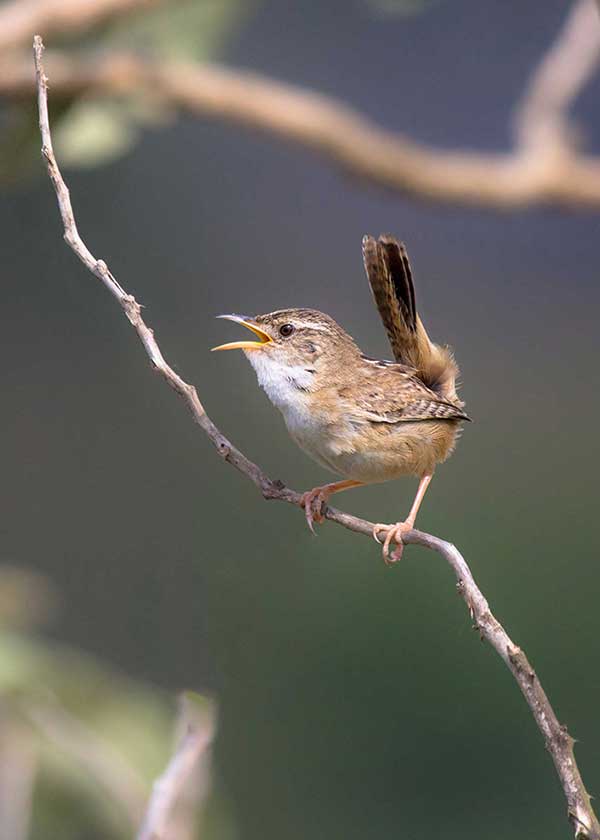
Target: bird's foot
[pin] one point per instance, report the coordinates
(313, 502)
(393, 533)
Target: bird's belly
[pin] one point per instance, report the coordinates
(402, 449)
(313, 436)
(393, 451)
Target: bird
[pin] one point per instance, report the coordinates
(366, 420)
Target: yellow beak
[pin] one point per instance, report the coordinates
(245, 345)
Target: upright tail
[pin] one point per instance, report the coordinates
(390, 278)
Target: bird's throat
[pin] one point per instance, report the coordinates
(285, 384)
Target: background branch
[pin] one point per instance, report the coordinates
(544, 167)
(558, 742)
(18, 771)
(190, 761)
(21, 19)
(541, 119)
(502, 180)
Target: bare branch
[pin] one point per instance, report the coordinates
(541, 117)
(191, 755)
(500, 180)
(544, 167)
(21, 19)
(18, 770)
(558, 742)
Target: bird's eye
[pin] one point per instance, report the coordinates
(286, 330)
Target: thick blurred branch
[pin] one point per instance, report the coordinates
(541, 120)
(21, 19)
(558, 741)
(545, 165)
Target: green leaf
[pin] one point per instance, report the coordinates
(94, 132)
(189, 29)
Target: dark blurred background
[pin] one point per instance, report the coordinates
(354, 700)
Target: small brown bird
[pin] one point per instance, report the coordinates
(368, 420)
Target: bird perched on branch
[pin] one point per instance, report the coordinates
(367, 420)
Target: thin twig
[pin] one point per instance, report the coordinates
(191, 755)
(558, 741)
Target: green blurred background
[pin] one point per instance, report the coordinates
(354, 700)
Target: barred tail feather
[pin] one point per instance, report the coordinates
(390, 277)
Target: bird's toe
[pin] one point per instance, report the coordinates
(313, 502)
(393, 534)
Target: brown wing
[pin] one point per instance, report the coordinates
(424, 408)
(420, 410)
(391, 393)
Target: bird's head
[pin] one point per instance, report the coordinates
(298, 338)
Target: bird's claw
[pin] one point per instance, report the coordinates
(393, 533)
(313, 502)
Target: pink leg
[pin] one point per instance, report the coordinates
(394, 532)
(313, 501)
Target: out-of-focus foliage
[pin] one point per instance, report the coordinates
(92, 131)
(84, 741)
(189, 29)
(95, 132)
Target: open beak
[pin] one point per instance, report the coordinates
(249, 323)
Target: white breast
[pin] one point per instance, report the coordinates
(283, 383)
(288, 386)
